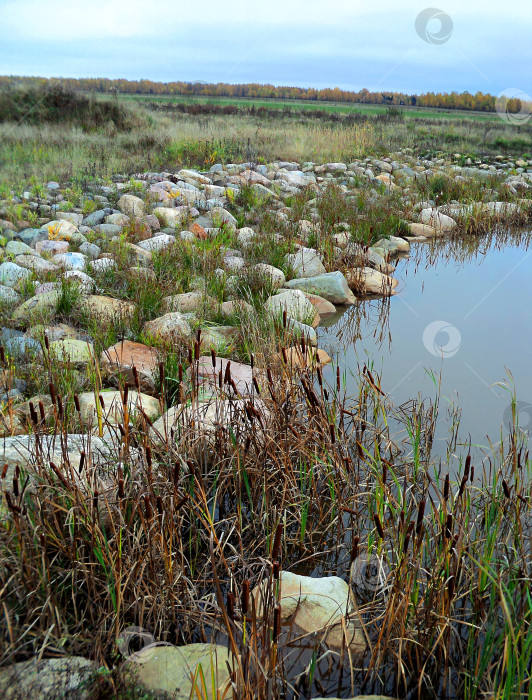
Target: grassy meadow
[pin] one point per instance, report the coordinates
(144, 133)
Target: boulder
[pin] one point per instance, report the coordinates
(12, 275)
(393, 245)
(323, 307)
(21, 450)
(67, 677)
(310, 359)
(107, 309)
(376, 260)
(159, 242)
(193, 177)
(76, 352)
(302, 330)
(332, 286)
(242, 375)
(85, 282)
(119, 219)
(221, 215)
(368, 281)
(237, 307)
(172, 217)
(19, 248)
(60, 230)
(168, 327)
(190, 671)
(35, 264)
(112, 411)
(131, 206)
(8, 295)
(185, 303)
(424, 230)
(305, 263)
(295, 303)
(319, 606)
(71, 261)
(270, 274)
(52, 247)
(41, 307)
(117, 363)
(441, 222)
(102, 265)
(200, 423)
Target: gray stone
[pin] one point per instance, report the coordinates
(441, 222)
(71, 261)
(160, 242)
(305, 263)
(35, 263)
(393, 245)
(29, 235)
(131, 206)
(17, 344)
(68, 677)
(70, 350)
(97, 217)
(332, 286)
(108, 230)
(294, 302)
(38, 308)
(90, 250)
(271, 275)
(12, 275)
(19, 248)
(221, 215)
(102, 265)
(8, 295)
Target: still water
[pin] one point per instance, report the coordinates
(462, 317)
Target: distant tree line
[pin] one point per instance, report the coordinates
(480, 101)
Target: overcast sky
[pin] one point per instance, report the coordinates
(351, 44)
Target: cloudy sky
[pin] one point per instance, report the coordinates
(474, 45)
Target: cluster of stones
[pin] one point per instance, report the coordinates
(192, 205)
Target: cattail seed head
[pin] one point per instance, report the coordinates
(378, 525)
(354, 548)
(446, 487)
(244, 603)
(230, 606)
(277, 541)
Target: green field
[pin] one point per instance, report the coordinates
(332, 107)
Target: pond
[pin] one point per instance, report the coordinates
(461, 318)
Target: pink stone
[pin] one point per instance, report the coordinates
(53, 247)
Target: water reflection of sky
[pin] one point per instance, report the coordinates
(482, 292)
